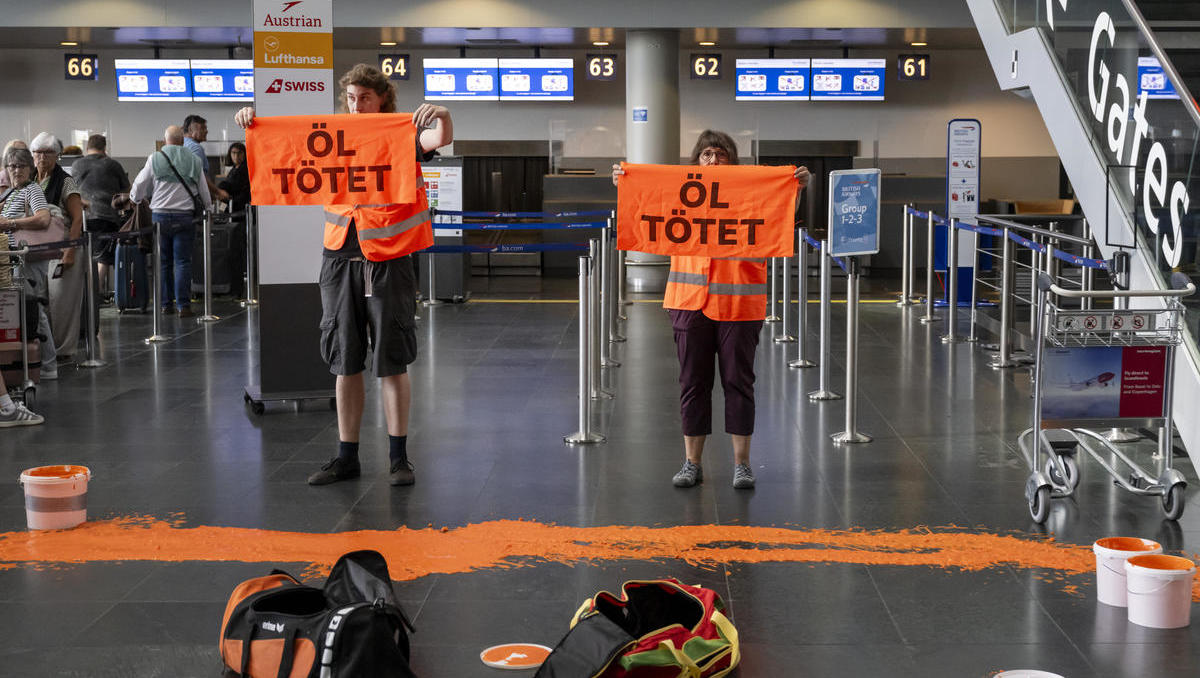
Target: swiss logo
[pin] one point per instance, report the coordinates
(280, 85)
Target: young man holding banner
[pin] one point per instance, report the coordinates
(718, 228)
(368, 284)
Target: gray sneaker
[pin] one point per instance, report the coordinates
(689, 475)
(20, 416)
(402, 474)
(743, 477)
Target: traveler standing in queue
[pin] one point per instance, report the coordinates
(368, 294)
(174, 182)
(67, 280)
(717, 307)
(195, 131)
(100, 178)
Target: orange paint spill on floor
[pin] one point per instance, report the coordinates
(414, 553)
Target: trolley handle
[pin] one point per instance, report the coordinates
(16, 253)
(1183, 287)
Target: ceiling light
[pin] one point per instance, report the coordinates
(707, 43)
(920, 44)
(600, 43)
(388, 43)
(69, 43)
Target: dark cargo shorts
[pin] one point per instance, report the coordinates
(351, 321)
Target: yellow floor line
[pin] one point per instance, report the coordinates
(649, 301)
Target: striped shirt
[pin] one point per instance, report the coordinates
(25, 201)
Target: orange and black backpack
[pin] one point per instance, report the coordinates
(659, 628)
(276, 627)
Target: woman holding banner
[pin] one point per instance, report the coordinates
(717, 308)
(368, 287)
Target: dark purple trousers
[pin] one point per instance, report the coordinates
(732, 343)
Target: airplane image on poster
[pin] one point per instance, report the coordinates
(1081, 383)
(1102, 380)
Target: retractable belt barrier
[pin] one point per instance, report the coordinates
(520, 215)
(99, 237)
(533, 226)
(529, 247)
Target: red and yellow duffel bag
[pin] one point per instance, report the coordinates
(655, 629)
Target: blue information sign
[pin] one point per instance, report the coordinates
(222, 80)
(537, 79)
(771, 79)
(461, 79)
(860, 79)
(153, 79)
(1153, 80)
(853, 212)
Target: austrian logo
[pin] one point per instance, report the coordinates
(292, 20)
(279, 85)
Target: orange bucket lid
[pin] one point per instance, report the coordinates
(1161, 562)
(56, 472)
(515, 656)
(1126, 544)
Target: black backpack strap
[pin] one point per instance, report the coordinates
(247, 640)
(289, 652)
(587, 649)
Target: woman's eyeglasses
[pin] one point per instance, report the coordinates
(710, 154)
(14, 168)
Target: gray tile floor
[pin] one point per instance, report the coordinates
(166, 432)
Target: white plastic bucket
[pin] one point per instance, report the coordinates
(1111, 554)
(55, 496)
(1160, 590)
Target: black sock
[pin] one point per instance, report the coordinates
(398, 448)
(347, 451)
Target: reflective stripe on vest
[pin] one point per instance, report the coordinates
(687, 278)
(342, 220)
(393, 229)
(737, 289)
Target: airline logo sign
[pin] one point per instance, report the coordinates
(293, 16)
(279, 85)
(293, 50)
(286, 90)
(1120, 120)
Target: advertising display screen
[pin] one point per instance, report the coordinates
(222, 80)
(860, 79)
(1153, 80)
(537, 79)
(153, 79)
(461, 79)
(771, 79)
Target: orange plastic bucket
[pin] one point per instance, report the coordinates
(1160, 590)
(55, 496)
(1111, 554)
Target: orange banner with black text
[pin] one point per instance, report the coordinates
(364, 159)
(713, 211)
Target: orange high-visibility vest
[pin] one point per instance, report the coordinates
(384, 231)
(724, 288)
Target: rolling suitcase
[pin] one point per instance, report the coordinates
(132, 282)
(228, 257)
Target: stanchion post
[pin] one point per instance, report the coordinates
(783, 337)
(973, 333)
(156, 334)
(594, 338)
(951, 336)
(929, 316)
(251, 258)
(623, 284)
(823, 391)
(1004, 357)
(851, 434)
(584, 435)
(610, 291)
(90, 291)
(906, 258)
(1089, 274)
(206, 239)
(430, 263)
(771, 292)
(802, 312)
(606, 300)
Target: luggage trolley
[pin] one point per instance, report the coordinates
(1102, 369)
(13, 285)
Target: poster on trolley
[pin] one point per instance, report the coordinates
(1103, 383)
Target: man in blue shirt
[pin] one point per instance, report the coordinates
(195, 130)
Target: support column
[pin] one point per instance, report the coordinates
(651, 127)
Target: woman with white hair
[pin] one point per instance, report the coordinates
(66, 283)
